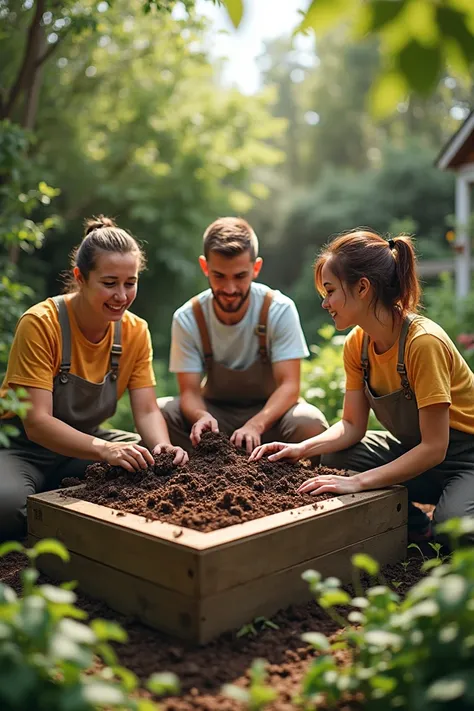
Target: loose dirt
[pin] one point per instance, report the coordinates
(219, 487)
(203, 670)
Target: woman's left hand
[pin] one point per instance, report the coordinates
(330, 484)
(180, 455)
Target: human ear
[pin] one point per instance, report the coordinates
(204, 266)
(257, 267)
(363, 288)
(78, 276)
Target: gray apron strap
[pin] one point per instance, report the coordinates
(261, 329)
(65, 367)
(203, 332)
(63, 318)
(401, 369)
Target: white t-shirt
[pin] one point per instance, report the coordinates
(236, 346)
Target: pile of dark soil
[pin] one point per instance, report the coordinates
(218, 487)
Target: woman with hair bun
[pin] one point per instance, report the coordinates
(76, 354)
(404, 367)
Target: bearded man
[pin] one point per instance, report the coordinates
(247, 340)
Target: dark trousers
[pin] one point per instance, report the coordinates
(449, 486)
(27, 468)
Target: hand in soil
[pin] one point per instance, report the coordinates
(180, 455)
(277, 451)
(247, 437)
(206, 422)
(330, 484)
(127, 455)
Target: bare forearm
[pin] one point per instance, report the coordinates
(151, 427)
(416, 461)
(193, 406)
(279, 402)
(339, 436)
(57, 436)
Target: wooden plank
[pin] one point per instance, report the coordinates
(333, 528)
(237, 606)
(155, 605)
(120, 547)
(68, 499)
(202, 620)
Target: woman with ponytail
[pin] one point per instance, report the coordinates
(404, 367)
(76, 354)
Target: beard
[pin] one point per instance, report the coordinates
(233, 307)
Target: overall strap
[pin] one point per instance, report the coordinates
(116, 350)
(63, 317)
(364, 359)
(203, 331)
(261, 329)
(401, 369)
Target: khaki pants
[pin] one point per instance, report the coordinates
(300, 422)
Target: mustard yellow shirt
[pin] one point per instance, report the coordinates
(436, 371)
(35, 355)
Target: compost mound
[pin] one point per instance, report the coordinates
(218, 487)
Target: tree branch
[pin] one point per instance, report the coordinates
(28, 60)
(51, 50)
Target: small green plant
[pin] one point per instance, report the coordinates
(415, 653)
(258, 695)
(253, 628)
(46, 648)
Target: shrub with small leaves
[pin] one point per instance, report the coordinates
(46, 649)
(415, 653)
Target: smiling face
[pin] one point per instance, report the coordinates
(112, 285)
(230, 279)
(346, 305)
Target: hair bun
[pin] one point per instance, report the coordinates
(97, 223)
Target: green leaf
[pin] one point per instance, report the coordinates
(322, 15)
(386, 93)
(52, 546)
(453, 25)
(365, 562)
(383, 12)
(317, 640)
(11, 547)
(446, 689)
(311, 576)
(106, 630)
(82, 634)
(235, 10)
(103, 694)
(382, 638)
(163, 683)
(128, 679)
(334, 597)
(421, 66)
(57, 595)
(236, 693)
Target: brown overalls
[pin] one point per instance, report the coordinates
(233, 397)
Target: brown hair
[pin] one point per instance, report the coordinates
(101, 234)
(230, 236)
(390, 266)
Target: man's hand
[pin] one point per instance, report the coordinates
(278, 450)
(206, 422)
(247, 436)
(180, 455)
(331, 484)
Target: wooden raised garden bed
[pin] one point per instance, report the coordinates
(196, 585)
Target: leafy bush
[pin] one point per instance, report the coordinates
(417, 653)
(323, 377)
(45, 650)
(258, 695)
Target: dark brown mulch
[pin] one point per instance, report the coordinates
(203, 670)
(218, 487)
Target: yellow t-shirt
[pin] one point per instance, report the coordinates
(35, 355)
(436, 371)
